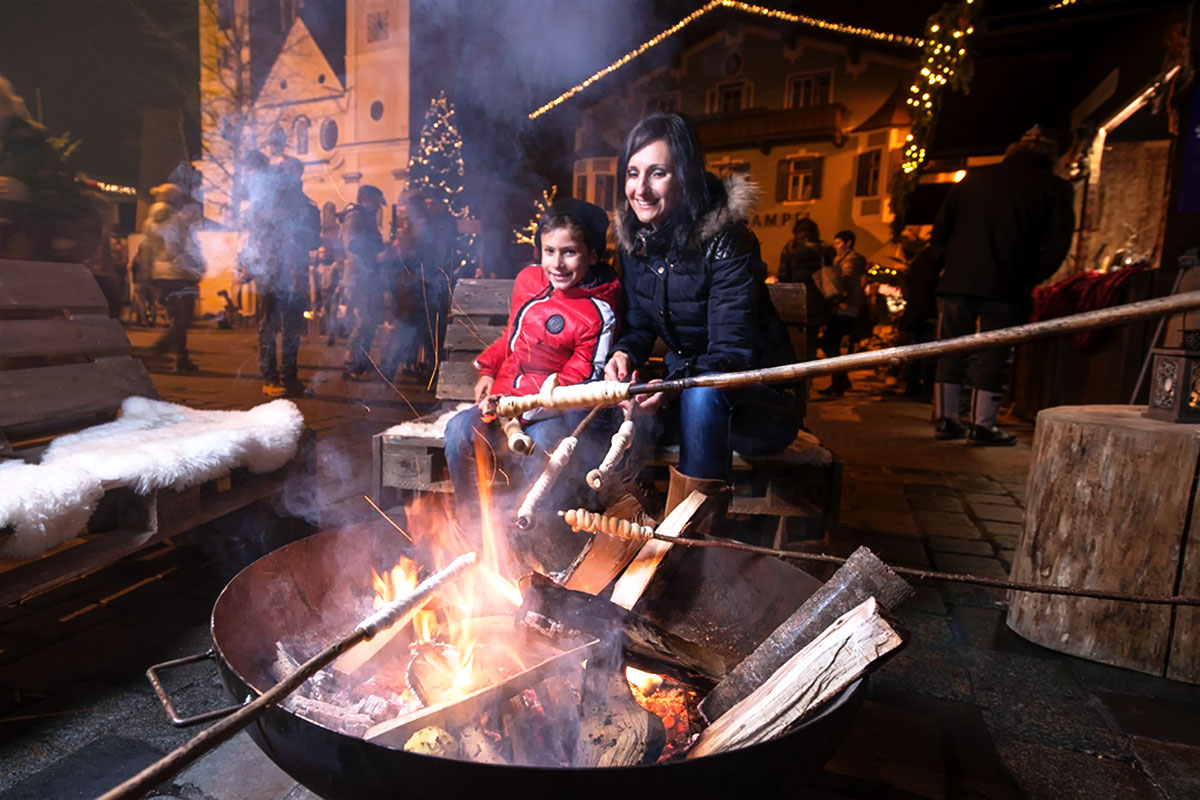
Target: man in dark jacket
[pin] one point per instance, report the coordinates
(285, 228)
(1001, 231)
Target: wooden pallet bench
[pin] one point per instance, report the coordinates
(801, 486)
(66, 366)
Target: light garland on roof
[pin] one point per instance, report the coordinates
(801, 19)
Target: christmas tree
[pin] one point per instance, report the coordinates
(436, 167)
(528, 234)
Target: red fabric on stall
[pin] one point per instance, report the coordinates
(1083, 291)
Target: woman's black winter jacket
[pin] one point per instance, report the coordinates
(708, 302)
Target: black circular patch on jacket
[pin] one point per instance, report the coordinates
(556, 324)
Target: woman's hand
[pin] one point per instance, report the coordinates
(483, 387)
(617, 368)
(645, 404)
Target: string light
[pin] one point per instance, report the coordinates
(799, 19)
(944, 62)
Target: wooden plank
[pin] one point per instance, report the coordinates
(90, 335)
(92, 553)
(41, 285)
(482, 296)
(1106, 512)
(471, 338)
(52, 396)
(629, 587)
(1183, 662)
(456, 380)
(791, 301)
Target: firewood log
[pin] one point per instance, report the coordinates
(862, 576)
(614, 731)
(828, 664)
(645, 644)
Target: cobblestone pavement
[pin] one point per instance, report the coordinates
(966, 709)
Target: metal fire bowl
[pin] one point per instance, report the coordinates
(310, 586)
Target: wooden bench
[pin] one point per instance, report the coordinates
(801, 486)
(66, 366)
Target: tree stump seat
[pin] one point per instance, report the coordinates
(1111, 505)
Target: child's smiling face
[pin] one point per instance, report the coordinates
(566, 258)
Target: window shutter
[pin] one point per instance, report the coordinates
(781, 179)
(818, 170)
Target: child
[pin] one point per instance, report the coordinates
(563, 321)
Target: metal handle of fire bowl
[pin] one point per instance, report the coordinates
(165, 699)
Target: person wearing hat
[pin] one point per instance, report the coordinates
(1001, 231)
(563, 321)
(364, 277)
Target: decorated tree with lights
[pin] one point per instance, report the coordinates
(528, 234)
(945, 62)
(436, 168)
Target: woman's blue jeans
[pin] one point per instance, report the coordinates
(754, 420)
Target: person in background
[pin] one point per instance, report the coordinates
(799, 262)
(287, 228)
(1001, 231)
(365, 277)
(850, 269)
(331, 257)
(176, 267)
(96, 231)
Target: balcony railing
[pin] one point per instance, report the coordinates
(764, 127)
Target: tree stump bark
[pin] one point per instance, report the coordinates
(1111, 505)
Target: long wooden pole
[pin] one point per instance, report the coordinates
(188, 752)
(611, 392)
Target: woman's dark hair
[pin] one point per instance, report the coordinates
(846, 236)
(808, 227)
(695, 196)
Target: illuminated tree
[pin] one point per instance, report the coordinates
(527, 234)
(436, 168)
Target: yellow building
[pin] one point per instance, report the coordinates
(347, 131)
(816, 119)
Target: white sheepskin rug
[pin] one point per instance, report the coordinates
(152, 445)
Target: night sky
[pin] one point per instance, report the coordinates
(97, 63)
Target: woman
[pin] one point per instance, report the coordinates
(694, 278)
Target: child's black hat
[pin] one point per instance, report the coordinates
(592, 218)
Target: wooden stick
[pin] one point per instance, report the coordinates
(612, 392)
(188, 752)
(622, 440)
(556, 464)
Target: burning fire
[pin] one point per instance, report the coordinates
(309, 315)
(461, 637)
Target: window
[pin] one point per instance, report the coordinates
(377, 26)
(799, 179)
(666, 103)
(728, 168)
(300, 132)
(809, 89)
(604, 191)
(866, 183)
(377, 110)
(727, 97)
(581, 187)
(329, 134)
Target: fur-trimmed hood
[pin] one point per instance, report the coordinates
(733, 199)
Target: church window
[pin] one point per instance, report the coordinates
(377, 110)
(300, 131)
(329, 134)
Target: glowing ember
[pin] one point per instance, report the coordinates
(308, 315)
(645, 682)
(672, 702)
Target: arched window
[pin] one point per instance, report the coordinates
(300, 134)
(329, 134)
(277, 140)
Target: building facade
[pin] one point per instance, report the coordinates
(817, 122)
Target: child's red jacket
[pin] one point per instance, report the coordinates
(569, 332)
